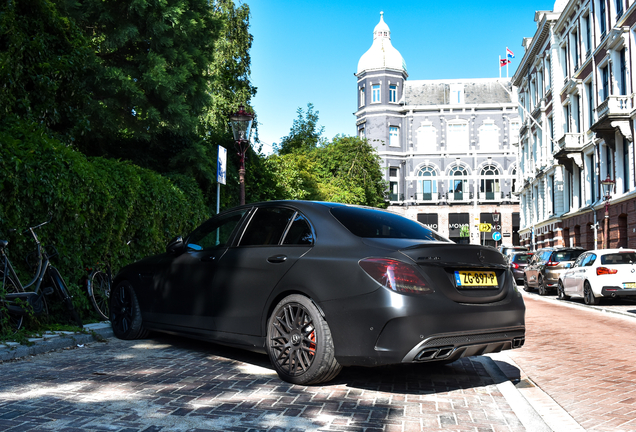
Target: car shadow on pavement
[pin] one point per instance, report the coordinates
(419, 378)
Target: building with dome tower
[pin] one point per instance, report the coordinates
(448, 147)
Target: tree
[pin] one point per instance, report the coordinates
(44, 62)
(304, 135)
(151, 74)
(348, 169)
(295, 176)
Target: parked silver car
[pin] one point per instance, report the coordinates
(547, 265)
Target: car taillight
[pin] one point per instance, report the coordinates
(395, 275)
(605, 271)
(552, 263)
(515, 266)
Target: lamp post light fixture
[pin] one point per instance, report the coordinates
(241, 122)
(608, 188)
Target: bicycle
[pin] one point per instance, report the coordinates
(98, 285)
(16, 301)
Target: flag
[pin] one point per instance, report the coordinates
(503, 62)
(510, 54)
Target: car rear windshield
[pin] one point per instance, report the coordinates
(369, 223)
(521, 258)
(567, 255)
(619, 258)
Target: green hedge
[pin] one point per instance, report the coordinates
(97, 205)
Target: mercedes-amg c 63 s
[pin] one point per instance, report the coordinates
(318, 286)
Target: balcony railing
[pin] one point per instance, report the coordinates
(570, 142)
(396, 197)
(457, 197)
(425, 198)
(614, 106)
(491, 196)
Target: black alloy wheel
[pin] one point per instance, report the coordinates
(299, 342)
(588, 295)
(561, 292)
(125, 315)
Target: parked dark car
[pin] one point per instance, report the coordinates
(508, 250)
(518, 262)
(319, 286)
(546, 266)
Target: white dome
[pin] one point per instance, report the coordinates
(381, 55)
(559, 5)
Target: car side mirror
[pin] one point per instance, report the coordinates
(567, 265)
(175, 245)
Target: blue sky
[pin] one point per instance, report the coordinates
(307, 51)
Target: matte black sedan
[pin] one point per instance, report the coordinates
(319, 286)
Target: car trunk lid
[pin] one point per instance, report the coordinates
(464, 273)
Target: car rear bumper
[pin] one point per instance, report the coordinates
(616, 291)
(387, 328)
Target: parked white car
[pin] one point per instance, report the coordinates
(600, 273)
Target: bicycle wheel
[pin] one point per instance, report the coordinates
(99, 292)
(11, 321)
(62, 290)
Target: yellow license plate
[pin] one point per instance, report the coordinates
(465, 278)
(629, 285)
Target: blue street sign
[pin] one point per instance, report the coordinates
(496, 236)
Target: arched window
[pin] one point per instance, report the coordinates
(458, 183)
(426, 184)
(490, 182)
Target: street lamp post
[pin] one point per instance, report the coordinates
(495, 219)
(608, 188)
(241, 122)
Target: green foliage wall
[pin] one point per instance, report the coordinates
(97, 204)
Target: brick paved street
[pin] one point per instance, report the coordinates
(584, 360)
(168, 384)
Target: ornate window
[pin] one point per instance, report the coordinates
(458, 136)
(426, 136)
(490, 189)
(375, 93)
(393, 93)
(426, 184)
(489, 136)
(394, 136)
(458, 183)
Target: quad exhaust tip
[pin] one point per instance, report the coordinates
(435, 354)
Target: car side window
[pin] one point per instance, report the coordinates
(267, 226)
(216, 232)
(579, 260)
(590, 260)
(300, 232)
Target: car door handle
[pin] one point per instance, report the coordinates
(209, 258)
(277, 259)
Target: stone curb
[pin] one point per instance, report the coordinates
(51, 341)
(575, 305)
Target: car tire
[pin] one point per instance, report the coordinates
(299, 342)
(561, 292)
(588, 295)
(125, 314)
(541, 287)
(526, 287)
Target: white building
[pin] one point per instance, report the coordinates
(447, 146)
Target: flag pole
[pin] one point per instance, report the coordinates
(507, 62)
(499, 67)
